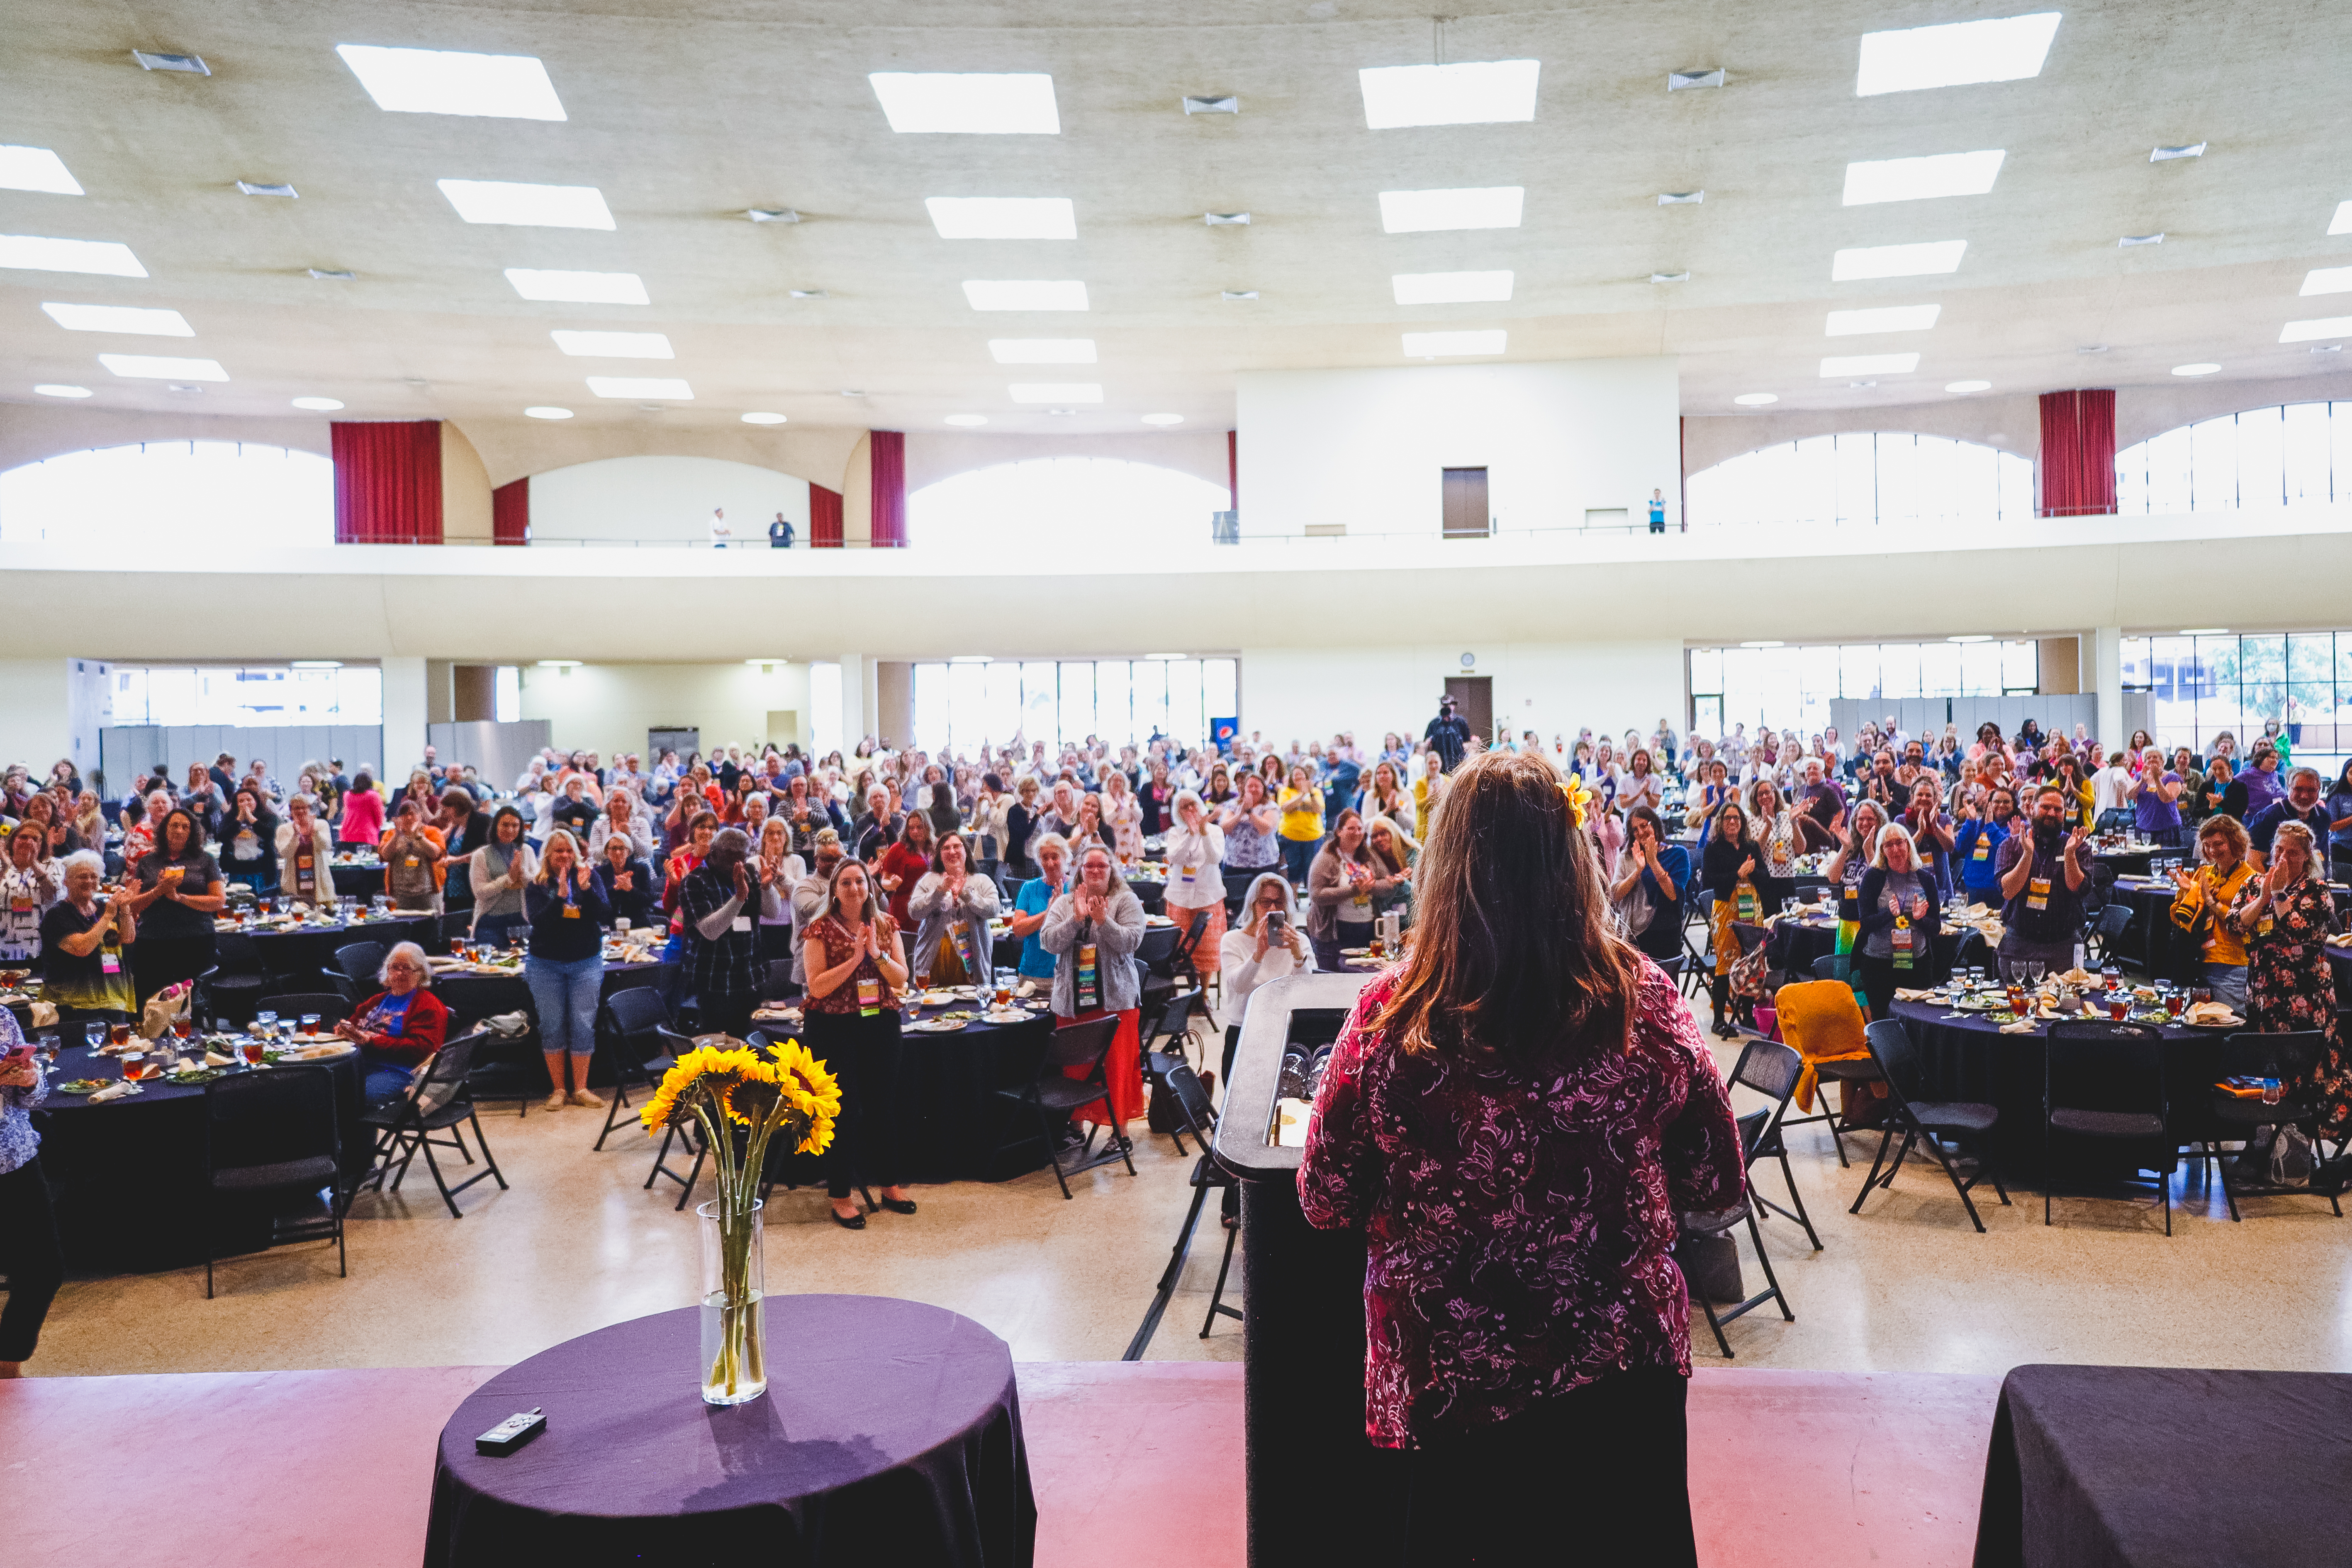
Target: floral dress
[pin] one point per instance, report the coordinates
(2289, 989)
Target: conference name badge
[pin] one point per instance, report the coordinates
(1902, 942)
(869, 998)
(2037, 893)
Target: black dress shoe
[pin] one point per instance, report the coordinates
(850, 1222)
(899, 1205)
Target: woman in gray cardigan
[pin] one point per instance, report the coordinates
(1092, 931)
(953, 902)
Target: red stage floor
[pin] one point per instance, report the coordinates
(281, 1468)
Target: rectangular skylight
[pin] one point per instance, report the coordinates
(1003, 218)
(153, 323)
(1056, 391)
(578, 288)
(2342, 223)
(1474, 92)
(1450, 288)
(2313, 331)
(1475, 207)
(452, 81)
(1883, 319)
(36, 169)
(613, 345)
(2328, 280)
(535, 206)
(1436, 345)
(162, 368)
(1916, 179)
(1018, 295)
(1869, 364)
(2008, 48)
(641, 386)
(1897, 260)
(968, 103)
(35, 253)
(1042, 351)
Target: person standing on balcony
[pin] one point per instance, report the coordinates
(719, 530)
(1657, 511)
(780, 533)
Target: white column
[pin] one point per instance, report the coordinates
(403, 717)
(2107, 664)
(856, 700)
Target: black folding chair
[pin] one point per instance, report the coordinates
(1237, 887)
(2102, 1082)
(1201, 1117)
(1717, 1225)
(635, 1036)
(273, 1135)
(1924, 1119)
(776, 981)
(233, 990)
(1698, 961)
(1167, 1045)
(1771, 1069)
(2105, 929)
(438, 1102)
(1087, 1046)
(2229, 1119)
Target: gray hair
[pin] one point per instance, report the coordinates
(1038, 846)
(1193, 796)
(2314, 773)
(408, 949)
(1895, 832)
(80, 859)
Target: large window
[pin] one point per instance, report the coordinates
(2298, 452)
(1054, 504)
(1788, 687)
(967, 704)
(213, 494)
(2199, 686)
(264, 694)
(1865, 477)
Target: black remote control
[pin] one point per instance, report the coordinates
(511, 1433)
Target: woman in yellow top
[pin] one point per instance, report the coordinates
(2203, 904)
(1302, 822)
(1428, 789)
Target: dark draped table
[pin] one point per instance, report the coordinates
(2159, 946)
(2071, 1480)
(302, 954)
(1794, 944)
(2133, 861)
(360, 882)
(130, 1173)
(471, 998)
(889, 1433)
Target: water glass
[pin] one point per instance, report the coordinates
(93, 1035)
(264, 1024)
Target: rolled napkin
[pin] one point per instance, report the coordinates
(215, 1059)
(45, 1015)
(114, 1091)
(2022, 1026)
(1914, 993)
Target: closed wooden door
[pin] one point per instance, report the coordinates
(1473, 698)
(1466, 504)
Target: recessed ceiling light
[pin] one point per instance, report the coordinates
(1883, 319)
(36, 169)
(1230, 295)
(967, 420)
(1450, 288)
(1474, 92)
(1227, 105)
(853, 392)
(579, 288)
(2010, 49)
(1968, 385)
(2206, 632)
(1056, 391)
(1756, 399)
(262, 188)
(336, 274)
(184, 386)
(772, 214)
(1681, 198)
(318, 404)
(2318, 280)
(1042, 351)
(808, 293)
(1917, 179)
(157, 60)
(1225, 220)
(1163, 419)
(36, 253)
(1447, 345)
(2091, 349)
(2195, 369)
(969, 103)
(164, 367)
(1703, 76)
(56, 389)
(2328, 348)
(452, 81)
(314, 664)
(613, 345)
(1003, 218)
(2324, 327)
(763, 419)
(641, 386)
(1669, 277)
(545, 412)
(1897, 260)
(1475, 207)
(153, 323)
(1764, 644)
(1970, 636)
(2166, 155)
(2342, 222)
(2127, 241)
(1869, 364)
(1017, 295)
(532, 206)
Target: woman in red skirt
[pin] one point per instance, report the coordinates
(1092, 931)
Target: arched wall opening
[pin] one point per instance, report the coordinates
(156, 492)
(2285, 454)
(1864, 477)
(663, 500)
(1062, 503)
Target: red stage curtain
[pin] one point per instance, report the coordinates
(2078, 452)
(510, 513)
(889, 468)
(824, 518)
(387, 481)
(1233, 469)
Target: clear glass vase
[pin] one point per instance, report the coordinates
(734, 1318)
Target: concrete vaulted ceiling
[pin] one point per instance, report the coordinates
(684, 115)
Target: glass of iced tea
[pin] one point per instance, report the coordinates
(2118, 1005)
(135, 1067)
(2172, 1001)
(118, 1036)
(252, 1050)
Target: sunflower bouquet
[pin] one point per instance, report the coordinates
(739, 1102)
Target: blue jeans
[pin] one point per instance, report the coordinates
(566, 991)
(2228, 983)
(262, 886)
(1298, 854)
(383, 1084)
(493, 928)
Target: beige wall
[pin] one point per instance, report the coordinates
(857, 494)
(32, 431)
(608, 707)
(464, 490)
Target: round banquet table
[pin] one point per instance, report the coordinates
(2135, 861)
(302, 954)
(889, 1433)
(2152, 941)
(131, 1171)
(471, 998)
(1793, 945)
(360, 882)
(1152, 896)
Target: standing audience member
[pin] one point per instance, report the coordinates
(411, 855)
(306, 855)
(857, 963)
(721, 950)
(87, 946)
(498, 874)
(29, 1252)
(2044, 866)
(1194, 851)
(565, 968)
(1092, 931)
(1341, 886)
(1900, 913)
(2284, 917)
(31, 884)
(362, 820)
(179, 890)
(249, 840)
(2202, 903)
(1651, 875)
(952, 905)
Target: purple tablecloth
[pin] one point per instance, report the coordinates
(2079, 1474)
(890, 1432)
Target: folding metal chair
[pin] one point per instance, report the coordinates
(634, 1035)
(1208, 1176)
(1921, 1120)
(1771, 1069)
(2228, 1118)
(1087, 1046)
(273, 1134)
(2102, 1082)
(438, 1102)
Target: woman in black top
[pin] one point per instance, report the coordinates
(1020, 826)
(179, 890)
(565, 969)
(629, 884)
(1733, 857)
(248, 841)
(1899, 919)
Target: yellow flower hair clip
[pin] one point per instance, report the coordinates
(1579, 798)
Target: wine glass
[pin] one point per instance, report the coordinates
(93, 1036)
(310, 1023)
(264, 1024)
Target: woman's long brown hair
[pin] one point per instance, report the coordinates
(1514, 954)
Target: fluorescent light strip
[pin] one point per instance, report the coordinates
(1475, 207)
(1897, 260)
(1474, 92)
(2342, 222)
(1042, 351)
(2313, 330)
(1451, 288)
(641, 386)
(579, 288)
(968, 103)
(1956, 54)
(1003, 218)
(1920, 179)
(37, 253)
(161, 367)
(1021, 295)
(1883, 319)
(1442, 345)
(452, 81)
(531, 206)
(153, 324)
(1056, 391)
(36, 169)
(1869, 364)
(2318, 280)
(613, 345)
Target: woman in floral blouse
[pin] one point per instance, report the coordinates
(1515, 1116)
(2284, 916)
